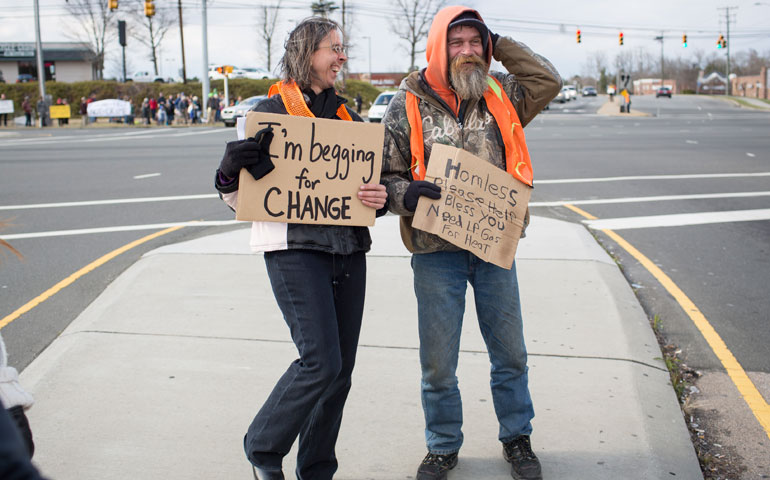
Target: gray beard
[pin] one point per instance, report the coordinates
(471, 85)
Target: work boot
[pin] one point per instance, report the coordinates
(260, 474)
(435, 467)
(524, 463)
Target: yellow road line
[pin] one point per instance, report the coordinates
(741, 380)
(72, 278)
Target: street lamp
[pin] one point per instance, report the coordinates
(369, 40)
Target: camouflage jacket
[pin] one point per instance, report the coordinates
(531, 84)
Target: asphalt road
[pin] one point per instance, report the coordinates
(56, 166)
(703, 160)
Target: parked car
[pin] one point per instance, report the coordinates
(380, 106)
(230, 114)
(589, 92)
(254, 73)
(143, 76)
(571, 91)
(663, 92)
(25, 77)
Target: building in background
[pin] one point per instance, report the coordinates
(751, 85)
(648, 86)
(64, 62)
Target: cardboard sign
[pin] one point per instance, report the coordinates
(481, 208)
(319, 166)
(60, 111)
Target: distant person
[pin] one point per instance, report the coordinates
(26, 106)
(482, 112)
(83, 112)
(359, 101)
(3, 116)
(318, 272)
(42, 112)
(146, 112)
(153, 104)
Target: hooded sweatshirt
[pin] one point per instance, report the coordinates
(531, 83)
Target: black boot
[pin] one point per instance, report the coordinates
(435, 467)
(524, 463)
(260, 474)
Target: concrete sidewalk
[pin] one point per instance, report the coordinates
(160, 376)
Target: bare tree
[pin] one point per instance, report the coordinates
(413, 23)
(96, 27)
(151, 30)
(268, 18)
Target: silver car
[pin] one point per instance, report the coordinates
(230, 114)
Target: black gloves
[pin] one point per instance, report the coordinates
(418, 188)
(252, 153)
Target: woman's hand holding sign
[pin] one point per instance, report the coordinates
(373, 195)
(252, 153)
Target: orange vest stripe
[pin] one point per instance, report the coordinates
(517, 160)
(294, 101)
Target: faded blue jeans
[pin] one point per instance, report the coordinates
(440, 281)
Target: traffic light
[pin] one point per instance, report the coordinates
(724, 43)
(578, 36)
(149, 8)
(684, 41)
(113, 4)
(620, 38)
(721, 41)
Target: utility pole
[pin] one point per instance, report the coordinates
(205, 80)
(727, 21)
(40, 63)
(181, 36)
(660, 39)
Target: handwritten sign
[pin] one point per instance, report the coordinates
(319, 166)
(481, 208)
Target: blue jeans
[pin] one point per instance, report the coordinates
(321, 296)
(440, 281)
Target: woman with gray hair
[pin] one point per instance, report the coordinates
(317, 272)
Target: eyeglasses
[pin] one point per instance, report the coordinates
(338, 49)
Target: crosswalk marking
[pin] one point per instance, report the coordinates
(679, 220)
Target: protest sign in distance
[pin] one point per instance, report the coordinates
(109, 108)
(319, 166)
(6, 106)
(60, 111)
(481, 208)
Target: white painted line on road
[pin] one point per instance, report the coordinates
(679, 220)
(692, 142)
(200, 133)
(147, 175)
(123, 228)
(653, 177)
(109, 202)
(660, 198)
(749, 154)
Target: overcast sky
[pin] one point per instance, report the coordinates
(547, 26)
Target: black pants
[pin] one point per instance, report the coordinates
(321, 297)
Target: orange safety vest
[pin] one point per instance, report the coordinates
(294, 101)
(517, 162)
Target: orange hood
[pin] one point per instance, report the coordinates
(437, 72)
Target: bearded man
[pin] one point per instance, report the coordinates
(456, 101)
